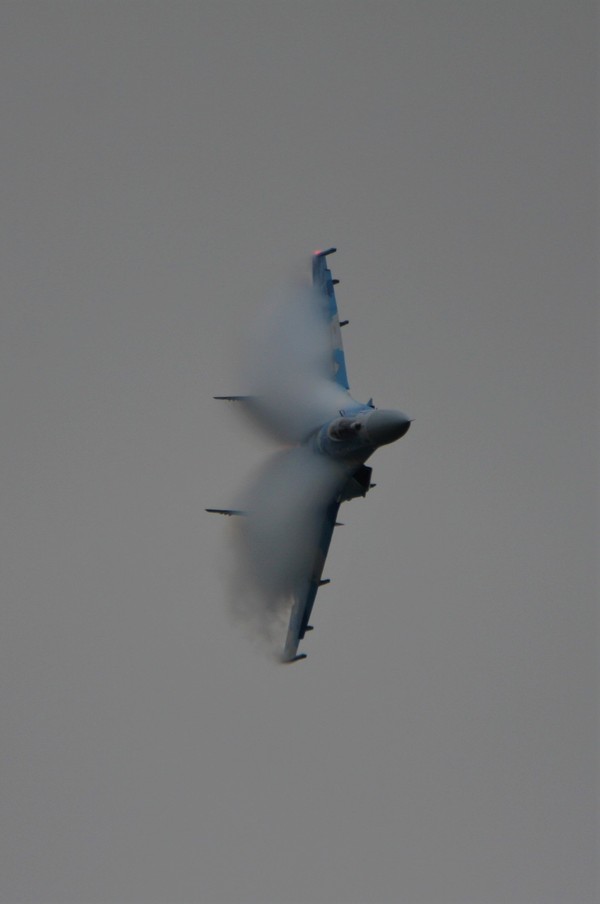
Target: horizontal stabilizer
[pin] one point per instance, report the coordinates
(324, 581)
(325, 253)
(296, 658)
(233, 398)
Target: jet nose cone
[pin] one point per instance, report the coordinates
(386, 426)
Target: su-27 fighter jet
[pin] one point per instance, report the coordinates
(303, 399)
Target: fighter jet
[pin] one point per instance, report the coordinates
(301, 396)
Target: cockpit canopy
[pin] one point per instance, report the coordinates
(344, 428)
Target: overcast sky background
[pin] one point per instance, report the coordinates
(163, 166)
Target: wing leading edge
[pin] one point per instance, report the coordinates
(306, 593)
(324, 283)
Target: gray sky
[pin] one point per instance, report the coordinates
(163, 166)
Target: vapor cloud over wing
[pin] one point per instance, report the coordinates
(276, 541)
(288, 367)
(287, 380)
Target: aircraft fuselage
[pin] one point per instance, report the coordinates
(356, 434)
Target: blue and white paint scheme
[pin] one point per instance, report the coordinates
(332, 437)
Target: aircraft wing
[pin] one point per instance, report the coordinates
(324, 283)
(295, 372)
(306, 592)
